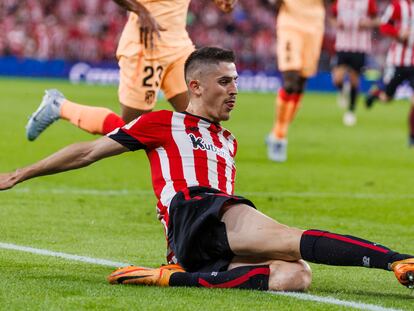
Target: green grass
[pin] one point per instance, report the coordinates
(347, 180)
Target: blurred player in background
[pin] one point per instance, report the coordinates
(151, 54)
(299, 30)
(354, 21)
(398, 23)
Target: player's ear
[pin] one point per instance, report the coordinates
(194, 87)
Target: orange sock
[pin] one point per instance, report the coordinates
(294, 105)
(89, 118)
(281, 125)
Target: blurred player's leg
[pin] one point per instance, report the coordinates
(349, 116)
(297, 54)
(338, 77)
(411, 114)
(173, 84)
(287, 105)
(180, 101)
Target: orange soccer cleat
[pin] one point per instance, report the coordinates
(144, 276)
(404, 271)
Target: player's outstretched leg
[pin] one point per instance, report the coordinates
(275, 275)
(372, 97)
(94, 120)
(251, 232)
(47, 113)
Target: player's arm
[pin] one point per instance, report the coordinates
(389, 19)
(69, 158)
(371, 21)
(225, 5)
(148, 25)
(333, 19)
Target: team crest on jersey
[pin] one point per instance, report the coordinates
(200, 144)
(149, 97)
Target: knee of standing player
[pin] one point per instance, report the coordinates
(290, 86)
(290, 276)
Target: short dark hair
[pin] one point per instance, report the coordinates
(207, 55)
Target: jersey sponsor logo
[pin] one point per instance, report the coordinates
(199, 144)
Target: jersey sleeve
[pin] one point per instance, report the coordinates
(391, 14)
(145, 132)
(334, 9)
(372, 8)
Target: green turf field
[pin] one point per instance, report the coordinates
(347, 180)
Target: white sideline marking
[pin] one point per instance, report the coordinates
(122, 192)
(38, 251)
(104, 262)
(334, 301)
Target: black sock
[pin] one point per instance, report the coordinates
(345, 250)
(247, 277)
(339, 86)
(352, 98)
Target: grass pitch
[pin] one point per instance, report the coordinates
(348, 180)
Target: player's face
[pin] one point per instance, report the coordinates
(219, 91)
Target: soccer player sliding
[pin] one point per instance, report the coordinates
(217, 239)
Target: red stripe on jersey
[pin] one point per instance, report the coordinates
(372, 8)
(226, 135)
(155, 163)
(236, 282)
(346, 240)
(200, 156)
(221, 162)
(175, 161)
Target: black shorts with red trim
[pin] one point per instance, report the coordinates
(195, 231)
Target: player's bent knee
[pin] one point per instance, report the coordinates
(290, 276)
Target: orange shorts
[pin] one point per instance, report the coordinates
(298, 50)
(143, 72)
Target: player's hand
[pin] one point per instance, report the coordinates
(340, 24)
(149, 28)
(7, 181)
(148, 25)
(364, 23)
(225, 5)
(403, 35)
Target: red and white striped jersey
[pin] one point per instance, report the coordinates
(350, 37)
(184, 150)
(398, 17)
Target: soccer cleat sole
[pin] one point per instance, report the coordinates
(38, 121)
(410, 278)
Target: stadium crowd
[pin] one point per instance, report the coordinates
(89, 30)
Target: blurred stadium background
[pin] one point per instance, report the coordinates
(77, 39)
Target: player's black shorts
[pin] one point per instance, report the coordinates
(354, 60)
(195, 232)
(397, 76)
